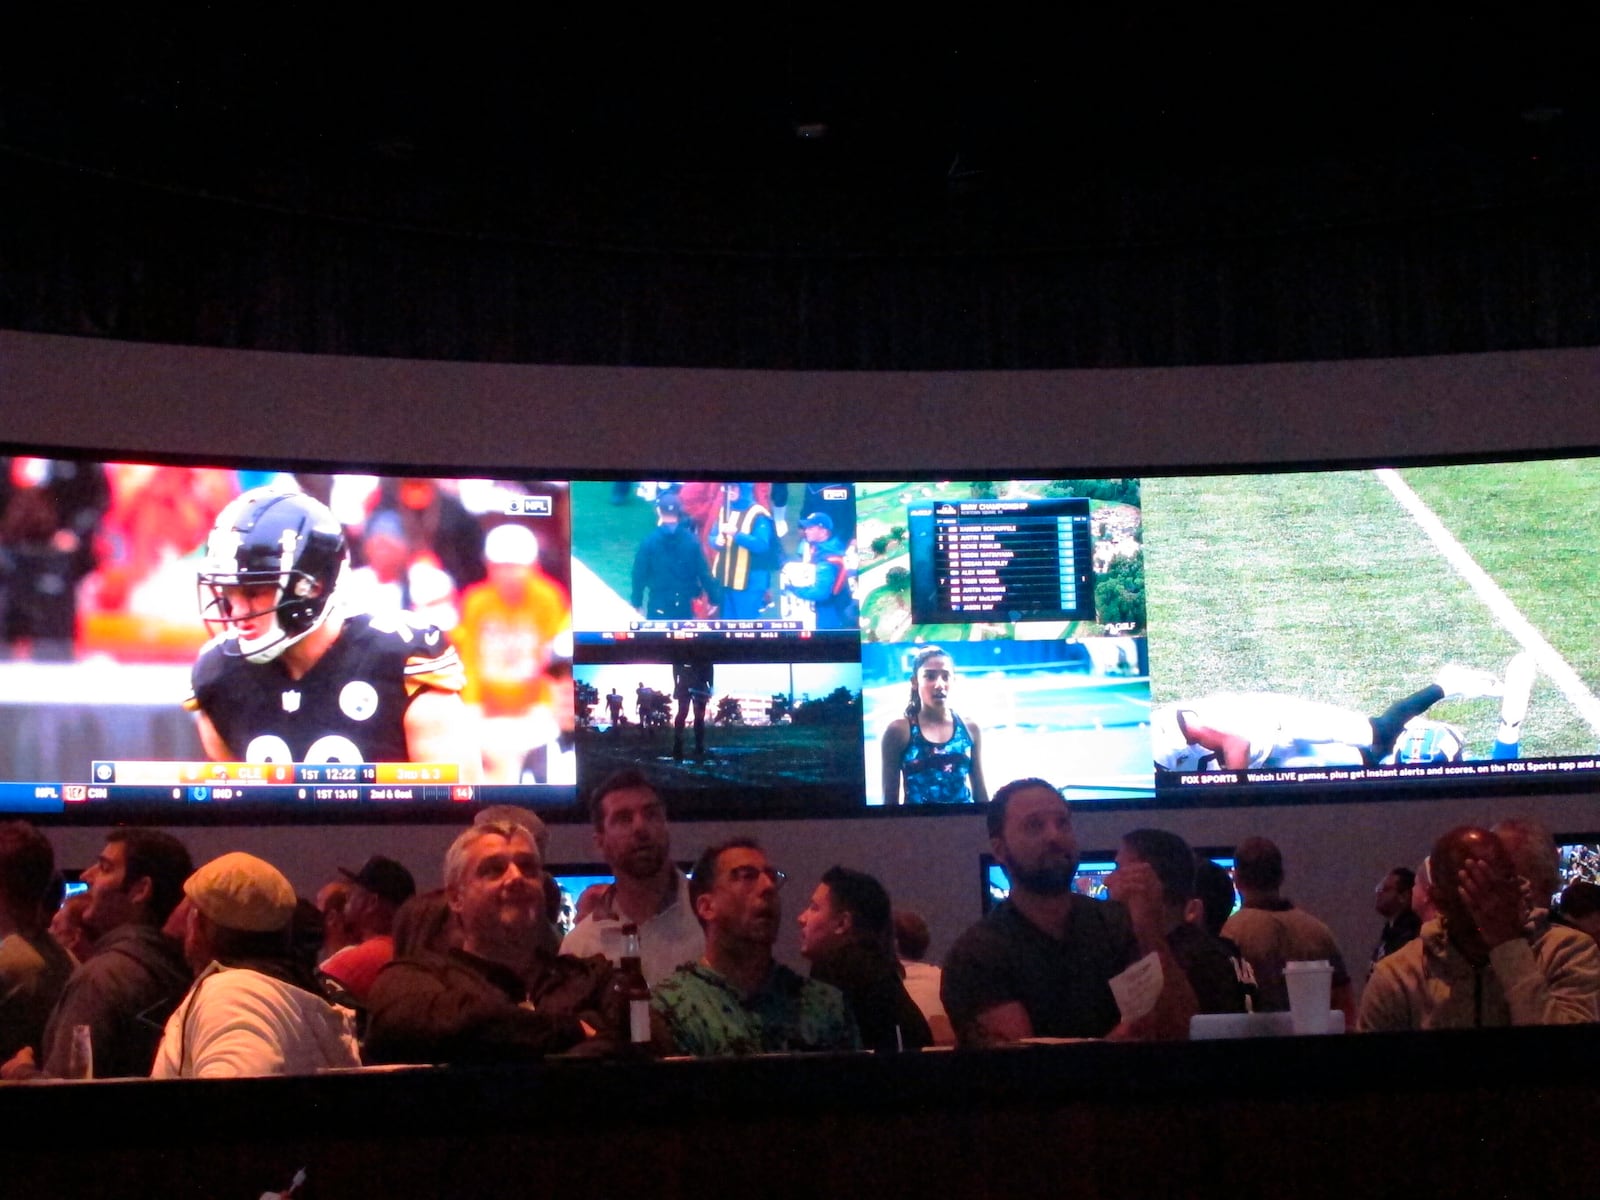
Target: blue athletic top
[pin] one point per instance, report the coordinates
(937, 772)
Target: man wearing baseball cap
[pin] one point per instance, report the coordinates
(821, 574)
(253, 1009)
(377, 891)
(670, 567)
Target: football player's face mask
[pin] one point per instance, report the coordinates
(273, 563)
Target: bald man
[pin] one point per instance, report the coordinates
(1481, 962)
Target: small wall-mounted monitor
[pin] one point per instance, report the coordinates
(574, 878)
(1579, 859)
(1093, 868)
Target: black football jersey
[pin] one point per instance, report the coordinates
(349, 707)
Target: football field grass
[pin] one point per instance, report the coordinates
(761, 764)
(1532, 527)
(606, 536)
(1320, 585)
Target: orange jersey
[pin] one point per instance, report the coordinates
(505, 648)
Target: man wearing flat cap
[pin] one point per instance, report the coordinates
(377, 891)
(253, 1009)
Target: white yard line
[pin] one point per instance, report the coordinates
(1551, 664)
(602, 607)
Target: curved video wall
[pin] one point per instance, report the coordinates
(179, 642)
(1194, 587)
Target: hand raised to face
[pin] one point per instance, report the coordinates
(1494, 899)
(1136, 885)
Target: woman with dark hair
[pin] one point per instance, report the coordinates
(425, 924)
(932, 749)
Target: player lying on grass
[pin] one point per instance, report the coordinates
(1238, 731)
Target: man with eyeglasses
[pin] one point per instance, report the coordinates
(1482, 962)
(738, 999)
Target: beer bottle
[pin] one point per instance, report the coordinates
(635, 989)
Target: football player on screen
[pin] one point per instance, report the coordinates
(291, 675)
(1236, 731)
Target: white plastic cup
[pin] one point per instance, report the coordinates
(1310, 984)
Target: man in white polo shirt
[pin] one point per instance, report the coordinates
(630, 833)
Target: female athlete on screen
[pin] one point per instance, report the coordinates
(935, 751)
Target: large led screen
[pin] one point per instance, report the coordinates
(1002, 631)
(1378, 627)
(219, 641)
(215, 641)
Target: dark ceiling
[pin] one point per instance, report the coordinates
(814, 128)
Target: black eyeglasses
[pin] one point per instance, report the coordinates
(745, 876)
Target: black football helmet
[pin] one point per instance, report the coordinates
(272, 537)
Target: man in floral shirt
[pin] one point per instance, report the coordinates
(737, 999)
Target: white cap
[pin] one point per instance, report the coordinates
(242, 892)
(513, 545)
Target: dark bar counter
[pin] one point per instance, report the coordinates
(1512, 1112)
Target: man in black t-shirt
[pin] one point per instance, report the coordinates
(1041, 963)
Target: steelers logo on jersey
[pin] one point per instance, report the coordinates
(358, 700)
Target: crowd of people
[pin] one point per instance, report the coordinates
(222, 970)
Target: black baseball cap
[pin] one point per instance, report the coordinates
(385, 878)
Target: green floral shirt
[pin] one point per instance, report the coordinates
(706, 1015)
